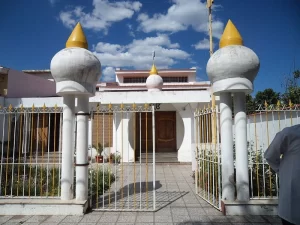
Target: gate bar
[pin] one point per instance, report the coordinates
(153, 160)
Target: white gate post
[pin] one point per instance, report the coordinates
(227, 147)
(82, 148)
(240, 122)
(76, 72)
(232, 69)
(67, 147)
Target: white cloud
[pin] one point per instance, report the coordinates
(138, 53)
(52, 2)
(104, 13)
(180, 16)
(131, 33)
(203, 44)
(108, 48)
(108, 74)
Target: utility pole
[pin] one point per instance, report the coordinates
(209, 4)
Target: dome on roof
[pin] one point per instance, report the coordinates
(154, 82)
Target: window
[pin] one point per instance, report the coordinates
(165, 79)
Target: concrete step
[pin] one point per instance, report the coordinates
(165, 157)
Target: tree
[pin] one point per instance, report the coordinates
(250, 104)
(268, 95)
(292, 89)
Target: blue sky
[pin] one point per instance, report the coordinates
(124, 33)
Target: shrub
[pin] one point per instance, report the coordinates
(20, 180)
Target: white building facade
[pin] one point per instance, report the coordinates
(174, 105)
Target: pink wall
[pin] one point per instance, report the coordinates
(25, 85)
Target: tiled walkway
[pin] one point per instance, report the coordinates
(187, 209)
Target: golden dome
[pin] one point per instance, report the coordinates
(77, 38)
(230, 36)
(153, 70)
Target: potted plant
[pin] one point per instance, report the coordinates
(99, 149)
(115, 158)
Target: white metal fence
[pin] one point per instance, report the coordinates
(30, 152)
(261, 129)
(208, 156)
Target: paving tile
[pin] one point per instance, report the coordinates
(218, 219)
(3, 219)
(54, 219)
(105, 223)
(179, 211)
(162, 219)
(180, 218)
(72, 219)
(37, 219)
(18, 219)
(272, 219)
(201, 223)
(200, 218)
(255, 219)
(30, 223)
(126, 219)
(164, 212)
(144, 219)
(237, 219)
(49, 223)
(143, 223)
(222, 223)
(243, 223)
(108, 219)
(212, 211)
(90, 218)
(196, 211)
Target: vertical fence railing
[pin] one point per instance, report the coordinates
(120, 180)
(262, 128)
(30, 152)
(208, 171)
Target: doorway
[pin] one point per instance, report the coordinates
(165, 132)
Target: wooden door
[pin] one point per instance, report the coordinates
(165, 132)
(165, 127)
(144, 132)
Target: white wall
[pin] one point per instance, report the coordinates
(186, 147)
(152, 97)
(262, 128)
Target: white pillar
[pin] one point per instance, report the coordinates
(90, 135)
(241, 151)
(193, 137)
(67, 147)
(82, 148)
(226, 147)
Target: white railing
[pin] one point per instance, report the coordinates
(261, 129)
(30, 152)
(208, 156)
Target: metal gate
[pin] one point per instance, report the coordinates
(120, 180)
(208, 156)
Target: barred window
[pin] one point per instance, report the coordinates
(135, 79)
(165, 79)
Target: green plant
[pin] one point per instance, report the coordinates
(26, 180)
(114, 157)
(262, 178)
(99, 148)
(100, 179)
